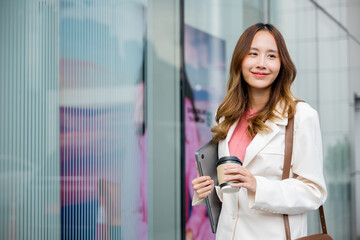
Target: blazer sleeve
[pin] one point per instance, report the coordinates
(196, 200)
(306, 189)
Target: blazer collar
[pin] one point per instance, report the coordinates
(260, 140)
(280, 120)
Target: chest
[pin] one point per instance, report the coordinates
(264, 156)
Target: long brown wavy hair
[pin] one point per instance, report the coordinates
(236, 100)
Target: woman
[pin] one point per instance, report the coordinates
(251, 125)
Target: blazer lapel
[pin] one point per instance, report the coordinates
(223, 147)
(259, 142)
(262, 139)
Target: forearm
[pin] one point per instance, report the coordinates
(290, 196)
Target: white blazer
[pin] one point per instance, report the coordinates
(259, 216)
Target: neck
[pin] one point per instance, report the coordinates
(258, 98)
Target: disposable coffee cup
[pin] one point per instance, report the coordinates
(220, 166)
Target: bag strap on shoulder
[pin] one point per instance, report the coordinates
(289, 137)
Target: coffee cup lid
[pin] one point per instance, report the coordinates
(228, 159)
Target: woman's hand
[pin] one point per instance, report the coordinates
(203, 186)
(242, 175)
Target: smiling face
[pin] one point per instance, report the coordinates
(262, 64)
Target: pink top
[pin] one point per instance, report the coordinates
(240, 139)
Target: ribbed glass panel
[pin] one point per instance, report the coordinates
(101, 69)
(72, 145)
(29, 120)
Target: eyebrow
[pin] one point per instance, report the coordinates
(270, 50)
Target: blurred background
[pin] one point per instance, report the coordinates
(103, 104)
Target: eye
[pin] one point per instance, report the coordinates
(271, 56)
(252, 54)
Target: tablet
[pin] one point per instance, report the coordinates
(206, 158)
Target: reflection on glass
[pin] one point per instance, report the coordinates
(101, 67)
(29, 126)
(70, 74)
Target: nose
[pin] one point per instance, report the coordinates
(261, 62)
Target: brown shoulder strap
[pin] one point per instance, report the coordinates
(289, 132)
(322, 219)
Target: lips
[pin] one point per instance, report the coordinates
(259, 74)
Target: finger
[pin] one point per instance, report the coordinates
(237, 185)
(205, 194)
(197, 170)
(203, 184)
(238, 177)
(235, 169)
(233, 165)
(205, 189)
(200, 180)
(248, 186)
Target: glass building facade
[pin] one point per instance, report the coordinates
(103, 104)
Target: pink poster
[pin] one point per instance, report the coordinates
(205, 81)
